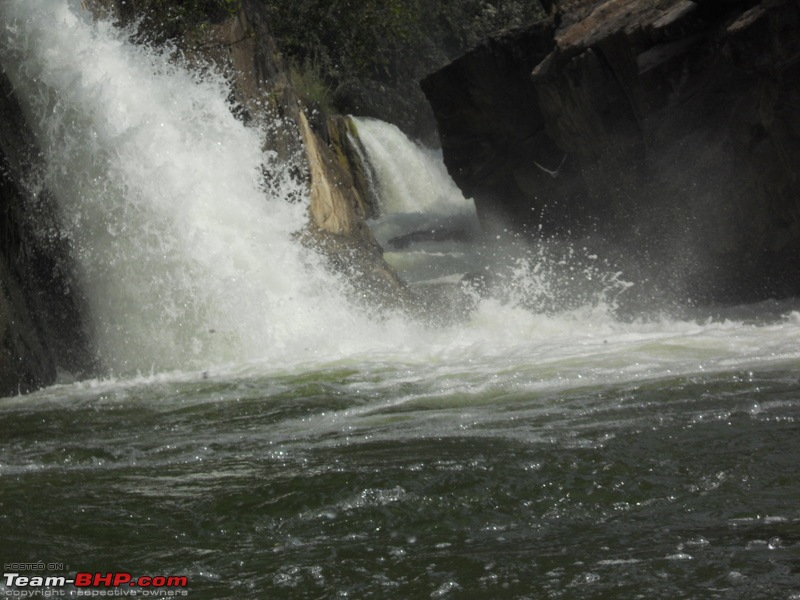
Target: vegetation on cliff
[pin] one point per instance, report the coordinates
(163, 20)
(367, 56)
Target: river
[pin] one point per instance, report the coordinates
(259, 435)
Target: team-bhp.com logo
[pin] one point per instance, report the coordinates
(115, 584)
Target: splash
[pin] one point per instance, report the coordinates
(435, 235)
(188, 261)
(184, 257)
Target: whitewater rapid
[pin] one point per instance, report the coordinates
(189, 263)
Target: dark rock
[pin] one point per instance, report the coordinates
(679, 122)
(678, 22)
(378, 100)
(42, 326)
(490, 125)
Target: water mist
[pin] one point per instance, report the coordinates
(184, 258)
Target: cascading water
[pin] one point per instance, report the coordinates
(425, 219)
(432, 235)
(393, 155)
(538, 446)
(184, 258)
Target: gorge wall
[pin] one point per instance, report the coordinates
(669, 128)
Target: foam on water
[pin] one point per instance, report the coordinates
(188, 262)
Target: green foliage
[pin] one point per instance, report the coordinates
(343, 37)
(309, 83)
(374, 37)
(389, 43)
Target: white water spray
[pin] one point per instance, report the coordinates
(187, 262)
(395, 157)
(184, 258)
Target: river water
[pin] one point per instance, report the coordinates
(261, 436)
(605, 464)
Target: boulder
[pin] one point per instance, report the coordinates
(667, 128)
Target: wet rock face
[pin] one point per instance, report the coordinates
(489, 120)
(41, 311)
(667, 127)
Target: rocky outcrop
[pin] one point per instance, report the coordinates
(489, 122)
(323, 155)
(343, 139)
(338, 211)
(669, 128)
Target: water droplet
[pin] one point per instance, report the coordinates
(445, 588)
(698, 541)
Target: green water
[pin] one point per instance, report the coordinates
(535, 446)
(379, 482)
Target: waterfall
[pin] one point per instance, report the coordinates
(184, 257)
(424, 218)
(393, 156)
(188, 261)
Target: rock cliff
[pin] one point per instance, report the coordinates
(670, 128)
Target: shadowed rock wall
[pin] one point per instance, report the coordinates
(668, 128)
(41, 311)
